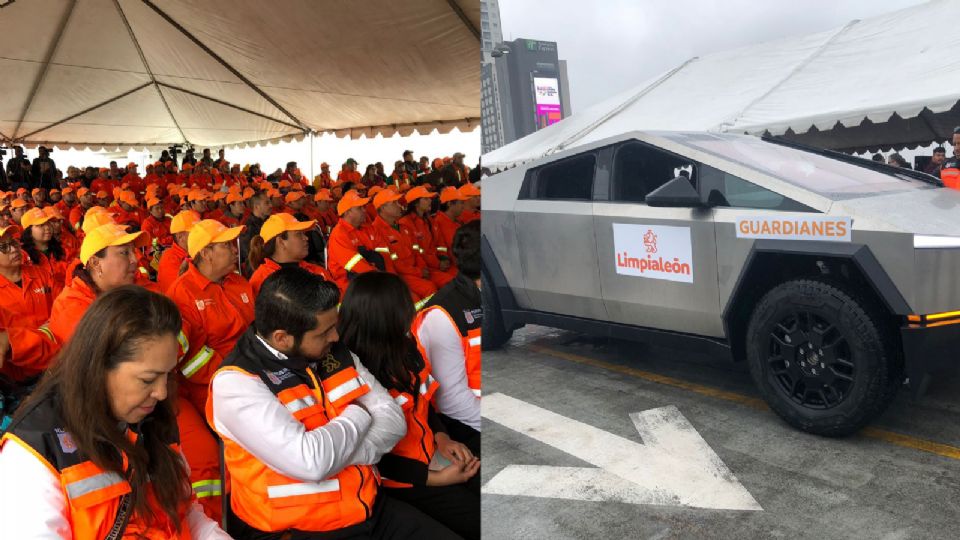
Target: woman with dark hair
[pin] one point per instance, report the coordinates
(43, 249)
(94, 451)
(282, 242)
(375, 319)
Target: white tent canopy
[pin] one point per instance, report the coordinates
(891, 81)
(139, 73)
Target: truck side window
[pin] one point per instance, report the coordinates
(739, 193)
(570, 178)
(639, 169)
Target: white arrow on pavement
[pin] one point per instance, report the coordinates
(673, 466)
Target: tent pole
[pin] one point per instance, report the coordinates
(463, 18)
(311, 156)
(223, 62)
(146, 66)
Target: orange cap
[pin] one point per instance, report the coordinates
(184, 221)
(82, 191)
(374, 190)
(350, 200)
(249, 192)
(419, 192)
(210, 231)
(281, 223)
(66, 190)
(102, 194)
(129, 198)
(284, 184)
(219, 196)
(274, 193)
(293, 196)
(324, 165)
(469, 190)
(53, 213)
(12, 228)
(385, 196)
(234, 197)
(95, 219)
(34, 216)
(297, 187)
(196, 195)
(323, 195)
(18, 203)
(153, 202)
(451, 194)
(54, 190)
(35, 191)
(131, 165)
(107, 235)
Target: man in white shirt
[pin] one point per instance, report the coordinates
(303, 423)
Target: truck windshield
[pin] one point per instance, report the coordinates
(820, 174)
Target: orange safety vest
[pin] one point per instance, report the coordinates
(419, 443)
(459, 300)
(93, 495)
(269, 501)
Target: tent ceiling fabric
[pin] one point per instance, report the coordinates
(136, 73)
(861, 86)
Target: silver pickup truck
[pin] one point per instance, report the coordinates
(835, 278)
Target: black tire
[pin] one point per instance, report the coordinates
(823, 359)
(493, 333)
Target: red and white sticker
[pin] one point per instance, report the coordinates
(653, 251)
(823, 228)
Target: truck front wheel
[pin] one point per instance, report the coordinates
(822, 358)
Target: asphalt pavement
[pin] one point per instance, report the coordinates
(564, 435)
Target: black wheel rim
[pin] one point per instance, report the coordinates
(810, 360)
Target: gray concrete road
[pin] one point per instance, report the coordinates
(898, 479)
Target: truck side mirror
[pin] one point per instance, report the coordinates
(677, 193)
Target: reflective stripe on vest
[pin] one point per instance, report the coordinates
(198, 361)
(91, 484)
(298, 404)
(950, 177)
(340, 391)
(303, 488)
(474, 341)
(207, 488)
(441, 249)
(476, 391)
(352, 262)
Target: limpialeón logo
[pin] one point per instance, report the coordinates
(653, 252)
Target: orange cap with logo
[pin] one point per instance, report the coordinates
(451, 194)
(109, 234)
(184, 221)
(210, 231)
(34, 216)
(419, 192)
(280, 223)
(384, 197)
(350, 200)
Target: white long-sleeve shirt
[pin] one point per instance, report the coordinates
(248, 413)
(32, 505)
(444, 347)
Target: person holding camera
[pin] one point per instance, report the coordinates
(44, 171)
(18, 169)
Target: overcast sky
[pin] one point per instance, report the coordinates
(611, 45)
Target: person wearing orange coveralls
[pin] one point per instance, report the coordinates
(407, 263)
(217, 306)
(352, 248)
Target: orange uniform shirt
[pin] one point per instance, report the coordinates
(343, 253)
(158, 229)
(169, 268)
(443, 229)
(269, 266)
(215, 315)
